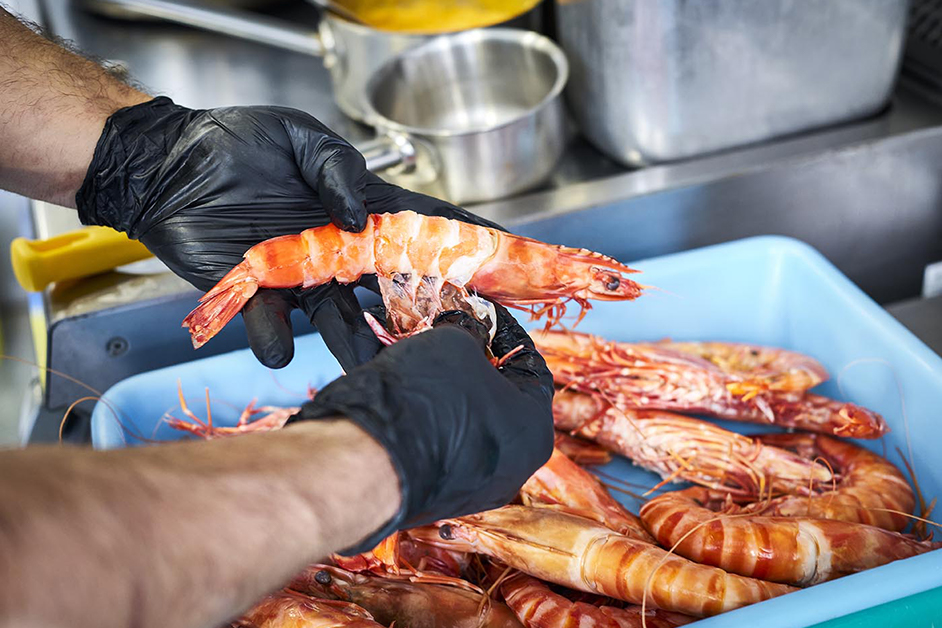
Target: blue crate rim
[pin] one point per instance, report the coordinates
(786, 245)
(879, 586)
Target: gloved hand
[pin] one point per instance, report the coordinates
(199, 187)
(462, 435)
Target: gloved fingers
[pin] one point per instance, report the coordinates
(457, 213)
(339, 186)
(352, 344)
(509, 333)
(267, 317)
(457, 318)
(428, 401)
(526, 368)
(384, 197)
(370, 282)
(339, 319)
(378, 312)
(309, 300)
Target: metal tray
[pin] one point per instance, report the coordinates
(767, 290)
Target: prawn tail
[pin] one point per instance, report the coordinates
(220, 305)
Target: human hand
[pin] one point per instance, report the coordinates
(200, 187)
(462, 435)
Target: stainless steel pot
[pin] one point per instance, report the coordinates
(658, 81)
(351, 52)
(472, 116)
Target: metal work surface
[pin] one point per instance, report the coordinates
(881, 224)
(923, 317)
(873, 210)
(200, 69)
(867, 195)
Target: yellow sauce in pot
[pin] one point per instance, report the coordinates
(434, 16)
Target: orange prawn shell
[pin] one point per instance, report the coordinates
(583, 555)
(538, 606)
(653, 376)
(685, 448)
(794, 550)
(562, 482)
(411, 249)
(430, 246)
(869, 487)
(526, 271)
(290, 609)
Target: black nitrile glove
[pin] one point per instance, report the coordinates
(199, 187)
(462, 434)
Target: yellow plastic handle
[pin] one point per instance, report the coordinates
(87, 251)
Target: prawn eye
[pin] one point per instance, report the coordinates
(446, 532)
(322, 577)
(612, 283)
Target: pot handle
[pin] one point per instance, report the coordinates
(388, 151)
(240, 24)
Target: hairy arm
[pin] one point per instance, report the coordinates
(183, 534)
(53, 107)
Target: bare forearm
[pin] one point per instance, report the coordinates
(53, 107)
(184, 534)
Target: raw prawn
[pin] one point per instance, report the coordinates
(680, 448)
(409, 604)
(563, 483)
(582, 451)
(868, 488)
(793, 550)
(382, 559)
(400, 554)
(273, 418)
(424, 264)
(290, 609)
(581, 554)
(649, 376)
(816, 413)
(757, 368)
(538, 606)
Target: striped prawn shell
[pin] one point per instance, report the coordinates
(578, 553)
(418, 256)
(538, 606)
(869, 485)
(793, 550)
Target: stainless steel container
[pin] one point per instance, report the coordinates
(352, 52)
(662, 80)
(475, 116)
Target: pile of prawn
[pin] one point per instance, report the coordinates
(759, 516)
(766, 515)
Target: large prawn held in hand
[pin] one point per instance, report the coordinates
(425, 265)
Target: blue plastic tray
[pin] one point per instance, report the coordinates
(768, 290)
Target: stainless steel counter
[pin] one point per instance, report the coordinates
(201, 69)
(923, 317)
(868, 194)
